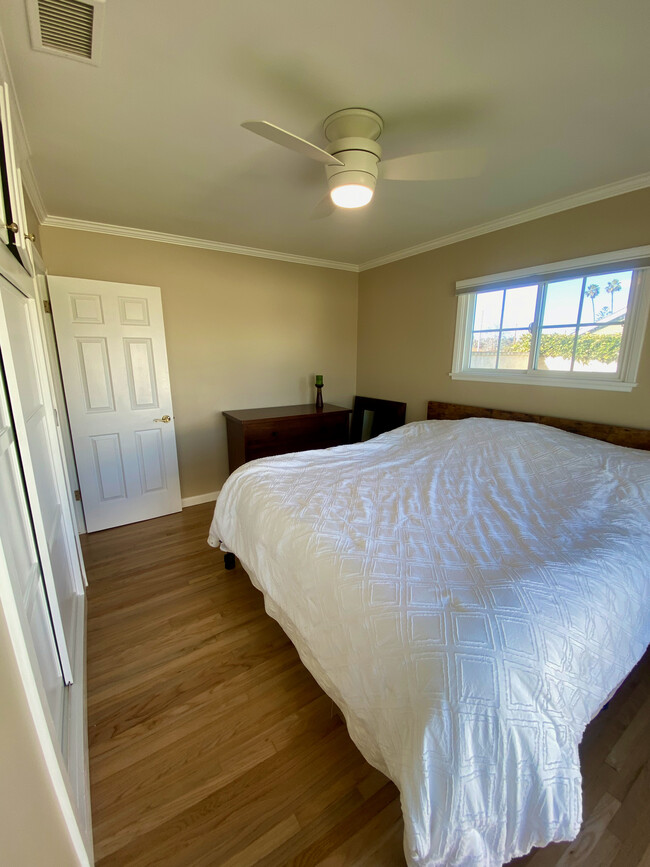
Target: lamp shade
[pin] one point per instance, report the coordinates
(353, 184)
(351, 195)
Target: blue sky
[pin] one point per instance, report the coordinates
(562, 302)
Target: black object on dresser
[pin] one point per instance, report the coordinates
(372, 417)
(276, 430)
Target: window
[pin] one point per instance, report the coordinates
(578, 323)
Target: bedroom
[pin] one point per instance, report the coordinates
(386, 330)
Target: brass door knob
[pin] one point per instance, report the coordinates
(165, 419)
(13, 227)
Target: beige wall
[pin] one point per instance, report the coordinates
(407, 315)
(241, 332)
(32, 828)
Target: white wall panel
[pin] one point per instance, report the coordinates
(86, 309)
(151, 460)
(141, 373)
(96, 374)
(42, 463)
(15, 533)
(23, 353)
(134, 311)
(109, 466)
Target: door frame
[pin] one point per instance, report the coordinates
(56, 384)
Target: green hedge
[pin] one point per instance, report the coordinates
(591, 347)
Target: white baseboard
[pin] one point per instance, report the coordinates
(188, 501)
(200, 498)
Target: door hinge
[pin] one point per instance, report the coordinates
(47, 306)
(77, 496)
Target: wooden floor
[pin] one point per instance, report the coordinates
(210, 744)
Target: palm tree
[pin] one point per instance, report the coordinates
(591, 292)
(613, 286)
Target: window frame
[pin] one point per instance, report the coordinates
(634, 331)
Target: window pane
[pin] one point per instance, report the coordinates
(567, 330)
(562, 302)
(598, 349)
(604, 292)
(514, 349)
(519, 311)
(556, 349)
(487, 315)
(484, 350)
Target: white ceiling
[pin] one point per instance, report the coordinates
(556, 91)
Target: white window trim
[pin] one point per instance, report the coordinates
(633, 335)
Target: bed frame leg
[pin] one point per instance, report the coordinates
(229, 560)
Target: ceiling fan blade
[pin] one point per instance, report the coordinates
(325, 208)
(289, 140)
(434, 166)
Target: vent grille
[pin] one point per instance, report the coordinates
(71, 28)
(67, 25)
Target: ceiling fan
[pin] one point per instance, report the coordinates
(353, 158)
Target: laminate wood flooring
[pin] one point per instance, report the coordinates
(212, 746)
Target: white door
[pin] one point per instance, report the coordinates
(56, 385)
(111, 341)
(18, 550)
(34, 422)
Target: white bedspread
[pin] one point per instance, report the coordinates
(470, 594)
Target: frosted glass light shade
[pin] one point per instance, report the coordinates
(351, 195)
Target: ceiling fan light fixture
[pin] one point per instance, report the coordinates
(353, 155)
(351, 195)
(353, 184)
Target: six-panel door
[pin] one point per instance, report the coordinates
(114, 362)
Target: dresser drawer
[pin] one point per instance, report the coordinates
(294, 435)
(278, 430)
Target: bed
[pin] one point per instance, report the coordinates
(470, 592)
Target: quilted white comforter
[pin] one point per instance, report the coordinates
(470, 594)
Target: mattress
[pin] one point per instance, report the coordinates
(470, 593)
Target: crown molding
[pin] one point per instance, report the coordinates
(597, 194)
(201, 243)
(587, 197)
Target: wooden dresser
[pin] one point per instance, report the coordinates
(276, 430)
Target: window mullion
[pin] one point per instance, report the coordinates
(577, 331)
(537, 327)
(503, 308)
(469, 334)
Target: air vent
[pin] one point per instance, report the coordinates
(69, 28)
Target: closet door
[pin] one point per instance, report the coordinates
(18, 549)
(33, 420)
(46, 324)
(13, 227)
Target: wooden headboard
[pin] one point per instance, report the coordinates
(632, 437)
